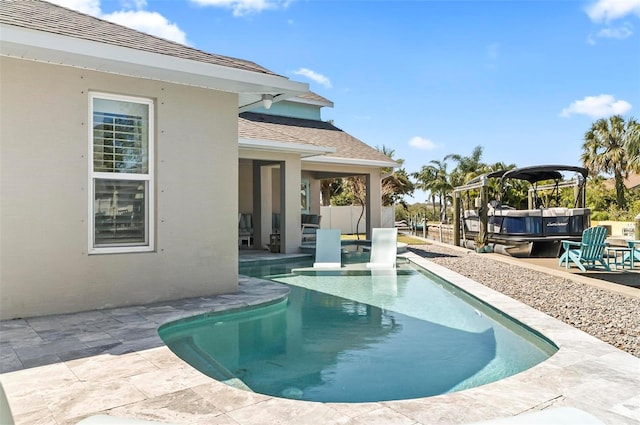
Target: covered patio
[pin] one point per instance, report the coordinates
(284, 154)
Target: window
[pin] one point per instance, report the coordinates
(121, 170)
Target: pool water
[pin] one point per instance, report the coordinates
(358, 337)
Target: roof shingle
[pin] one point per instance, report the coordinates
(43, 16)
(310, 132)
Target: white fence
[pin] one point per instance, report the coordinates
(346, 218)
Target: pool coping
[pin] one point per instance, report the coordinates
(137, 376)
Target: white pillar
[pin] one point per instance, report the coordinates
(290, 176)
(266, 203)
(374, 201)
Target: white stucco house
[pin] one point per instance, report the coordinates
(126, 160)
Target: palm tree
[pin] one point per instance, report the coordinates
(611, 146)
(397, 184)
(435, 180)
(467, 167)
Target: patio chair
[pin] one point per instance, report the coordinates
(245, 228)
(328, 249)
(310, 224)
(384, 248)
(586, 253)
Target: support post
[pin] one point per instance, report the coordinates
(456, 219)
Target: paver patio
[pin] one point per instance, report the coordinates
(60, 369)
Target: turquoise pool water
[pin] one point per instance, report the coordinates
(358, 337)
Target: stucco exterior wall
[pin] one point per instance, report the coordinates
(45, 189)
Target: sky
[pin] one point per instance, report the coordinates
(428, 78)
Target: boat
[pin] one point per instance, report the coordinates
(535, 231)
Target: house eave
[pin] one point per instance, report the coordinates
(352, 161)
(272, 146)
(40, 46)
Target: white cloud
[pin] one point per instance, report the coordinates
(619, 33)
(90, 7)
(422, 143)
(149, 22)
(134, 4)
(244, 7)
(314, 76)
(609, 10)
(600, 106)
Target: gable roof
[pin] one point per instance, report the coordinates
(43, 16)
(340, 147)
(42, 31)
(631, 182)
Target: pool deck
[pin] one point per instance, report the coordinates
(61, 369)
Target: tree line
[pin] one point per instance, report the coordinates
(611, 147)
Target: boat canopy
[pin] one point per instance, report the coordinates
(542, 172)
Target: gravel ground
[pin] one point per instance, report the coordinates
(609, 316)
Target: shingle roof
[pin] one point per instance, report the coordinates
(303, 131)
(43, 16)
(631, 182)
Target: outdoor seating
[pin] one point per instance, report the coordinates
(245, 229)
(384, 248)
(328, 248)
(587, 253)
(310, 224)
(634, 254)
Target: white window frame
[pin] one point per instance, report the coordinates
(149, 178)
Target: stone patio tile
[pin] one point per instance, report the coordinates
(88, 398)
(131, 318)
(19, 338)
(130, 346)
(61, 321)
(7, 325)
(383, 416)
(36, 417)
(454, 408)
(227, 398)
(52, 347)
(354, 409)
(87, 351)
(598, 392)
(89, 336)
(284, 412)
(178, 407)
(606, 416)
(168, 380)
(106, 367)
(161, 357)
(9, 360)
(41, 360)
(629, 408)
(135, 332)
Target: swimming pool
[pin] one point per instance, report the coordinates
(357, 337)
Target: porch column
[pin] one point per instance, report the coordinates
(266, 204)
(257, 205)
(374, 201)
(290, 175)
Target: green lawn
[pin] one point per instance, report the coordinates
(401, 238)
